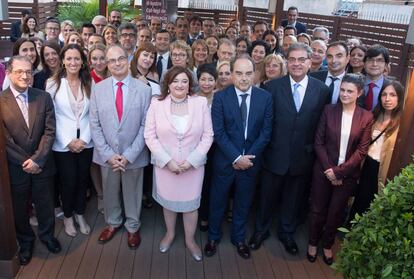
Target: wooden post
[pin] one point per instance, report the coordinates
(8, 244)
(102, 8)
(240, 12)
(279, 12)
(404, 148)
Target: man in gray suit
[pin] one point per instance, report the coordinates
(117, 116)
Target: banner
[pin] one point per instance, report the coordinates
(154, 8)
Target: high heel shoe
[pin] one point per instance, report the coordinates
(83, 226)
(311, 258)
(197, 255)
(164, 247)
(69, 226)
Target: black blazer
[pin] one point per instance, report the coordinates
(290, 150)
(40, 78)
(34, 142)
(300, 27)
(16, 32)
(320, 75)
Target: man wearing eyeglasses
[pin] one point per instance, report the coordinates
(298, 101)
(376, 60)
(52, 30)
(127, 36)
(28, 118)
(117, 116)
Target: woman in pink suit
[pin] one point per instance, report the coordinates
(179, 133)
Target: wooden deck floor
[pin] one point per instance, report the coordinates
(83, 257)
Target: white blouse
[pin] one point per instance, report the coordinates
(346, 125)
(374, 150)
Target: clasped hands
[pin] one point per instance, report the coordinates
(244, 162)
(31, 167)
(329, 173)
(178, 168)
(76, 146)
(118, 163)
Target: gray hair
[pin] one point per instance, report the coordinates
(225, 41)
(126, 25)
(9, 66)
(321, 29)
(299, 46)
(109, 48)
(244, 56)
(99, 17)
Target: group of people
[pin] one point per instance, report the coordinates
(212, 120)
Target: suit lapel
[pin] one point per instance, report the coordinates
(254, 106)
(190, 114)
(129, 100)
(15, 110)
(32, 107)
(355, 127)
(338, 123)
(287, 91)
(233, 101)
(309, 97)
(110, 97)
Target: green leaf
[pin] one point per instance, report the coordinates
(344, 230)
(387, 271)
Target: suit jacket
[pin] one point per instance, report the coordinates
(228, 128)
(387, 150)
(112, 137)
(16, 32)
(66, 129)
(320, 75)
(328, 138)
(165, 143)
(33, 142)
(291, 147)
(300, 27)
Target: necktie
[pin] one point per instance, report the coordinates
(296, 96)
(159, 66)
(369, 100)
(119, 100)
(334, 97)
(23, 108)
(243, 110)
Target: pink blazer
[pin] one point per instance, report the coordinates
(165, 143)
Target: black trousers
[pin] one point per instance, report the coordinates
(74, 175)
(40, 191)
(205, 193)
(367, 188)
(287, 192)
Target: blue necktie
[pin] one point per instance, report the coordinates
(243, 110)
(296, 96)
(334, 97)
(159, 66)
(23, 107)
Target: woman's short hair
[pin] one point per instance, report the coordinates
(169, 78)
(356, 79)
(199, 42)
(262, 43)
(279, 60)
(67, 39)
(206, 68)
(179, 44)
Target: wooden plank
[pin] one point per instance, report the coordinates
(262, 263)
(125, 260)
(276, 258)
(143, 256)
(195, 269)
(177, 253)
(76, 252)
(227, 254)
(159, 265)
(212, 265)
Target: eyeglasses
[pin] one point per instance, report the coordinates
(120, 60)
(21, 72)
(375, 60)
(53, 28)
(300, 60)
(179, 55)
(126, 35)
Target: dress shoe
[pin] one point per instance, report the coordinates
(311, 258)
(107, 234)
(257, 239)
(197, 257)
(328, 261)
(26, 255)
(165, 245)
(147, 203)
(52, 245)
(195, 252)
(83, 225)
(290, 245)
(243, 250)
(211, 248)
(69, 226)
(134, 240)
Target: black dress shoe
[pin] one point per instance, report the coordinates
(211, 248)
(52, 245)
(203, 228)
(25, 256)
(256, 240)
(243, 250)
(328, 261)
(290, 245)
(311, 258)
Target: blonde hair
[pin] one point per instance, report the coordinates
(179, 44)
(279, 60)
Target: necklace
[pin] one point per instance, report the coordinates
(179, 103)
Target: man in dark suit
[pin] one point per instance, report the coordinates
(196, 24)
(293, 15)
(298, 101)
(16, 29)
(242, 123)
(28, 119)
(337, 57)
(162, 44)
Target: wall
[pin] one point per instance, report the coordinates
(320, 7)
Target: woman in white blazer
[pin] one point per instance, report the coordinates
(70, 90)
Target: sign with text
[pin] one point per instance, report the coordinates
(155, 8)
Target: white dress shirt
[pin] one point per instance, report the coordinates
(164, 61)
(337, 85)
(125, 87)
(303, 84)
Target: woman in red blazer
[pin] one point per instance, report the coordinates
(341, 143)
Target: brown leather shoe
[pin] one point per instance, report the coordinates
(134, 240)
(107, 234)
